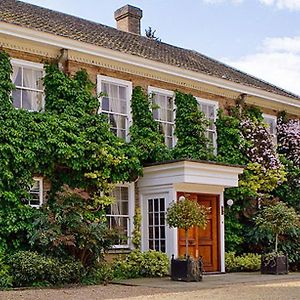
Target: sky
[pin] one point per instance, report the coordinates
(260, 37)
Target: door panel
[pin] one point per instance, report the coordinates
(203, 242)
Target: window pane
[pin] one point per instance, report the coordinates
(17, 76)
(105, 103)
(16, 95)
(122, 92)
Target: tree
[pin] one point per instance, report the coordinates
(185, 214)
(277, 219)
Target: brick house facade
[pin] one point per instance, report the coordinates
(118, 60)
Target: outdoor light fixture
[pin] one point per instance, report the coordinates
(181, 198)
(229, 202)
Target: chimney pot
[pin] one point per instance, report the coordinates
(128, 19)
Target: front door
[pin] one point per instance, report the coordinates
(203, 242)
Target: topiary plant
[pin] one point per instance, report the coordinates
(185, 214)
(277, 219)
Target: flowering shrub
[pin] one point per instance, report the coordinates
(289, 139)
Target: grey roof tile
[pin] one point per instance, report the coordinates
(60, 24)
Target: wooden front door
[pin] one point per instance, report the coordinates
(203, 242)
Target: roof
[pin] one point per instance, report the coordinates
(64, 25)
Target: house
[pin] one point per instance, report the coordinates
(117, 60)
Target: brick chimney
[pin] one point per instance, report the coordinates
(128, 19)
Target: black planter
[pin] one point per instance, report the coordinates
(275, 265)
(187, 269)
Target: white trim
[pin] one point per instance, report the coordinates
(40, 180)
(222, 232)
(215, 105)
(128, 85)
(63, 42)
(131, 212)
(27, 64)
(33, 66)
(153, 89)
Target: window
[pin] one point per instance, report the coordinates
(271, 121)
(115, 103)
(27, 78)
(157, 224)
(163, 113)
(36, 193)
(118, 216)
(209, 108)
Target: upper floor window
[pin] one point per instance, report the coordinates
(271, 121)
(36, 193)
(209, 108)
(163, 113)
(27, 77)
(118, 215)
(115, 103)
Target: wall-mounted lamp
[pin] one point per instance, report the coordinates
(181, 198)
(229, 202)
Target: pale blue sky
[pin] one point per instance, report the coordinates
(261, 37)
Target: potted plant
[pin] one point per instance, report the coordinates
(276, 219)
(185, 214)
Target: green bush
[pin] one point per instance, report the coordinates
(30, 268)
(5, 277)
(142, 264)
(244, 263)
(100, 273)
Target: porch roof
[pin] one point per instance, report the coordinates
(191, 172)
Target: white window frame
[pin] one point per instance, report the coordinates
(128, 84)
(30, 65)
(274, 118)
(40, 180)
(216, 107)
(168, 93)
(130, 216)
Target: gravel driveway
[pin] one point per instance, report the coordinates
(217, 287)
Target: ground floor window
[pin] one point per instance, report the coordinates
(36, 193)
(118, 217)
(157, 224)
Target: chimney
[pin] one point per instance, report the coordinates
(128, 19)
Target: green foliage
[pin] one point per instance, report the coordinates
(244, 263)
(30, 268)
(6, 279)
(229, 140)
(6, 85)
(186, 213)
(190, 129)
(144, 131)
(136, 234)
(72, 224)
(142, 264)
(289, 191)
(277, 219)
(261, 180)
(100, 273)
(70, 143)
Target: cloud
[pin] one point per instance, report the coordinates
(280, 4)
(283, 4)
(223, 1)
(277, 61)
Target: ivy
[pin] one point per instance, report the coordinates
(190, 129)
(144, 131)
(69, 143)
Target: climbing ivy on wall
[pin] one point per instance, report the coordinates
(69, 143)
(144, 131)
(190, 130)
